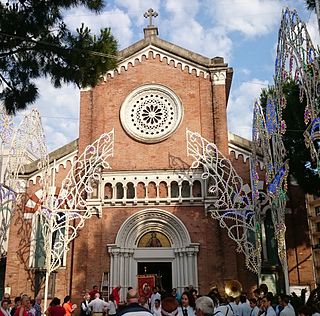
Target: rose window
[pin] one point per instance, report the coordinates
(151, 113)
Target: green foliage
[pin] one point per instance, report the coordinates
(35, 42)
(311, 4)
(301, 166)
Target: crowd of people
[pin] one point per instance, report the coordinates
(189, 303)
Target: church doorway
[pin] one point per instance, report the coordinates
(162, 270)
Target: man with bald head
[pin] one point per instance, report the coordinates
(133, 308)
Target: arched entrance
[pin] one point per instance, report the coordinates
(132, 249)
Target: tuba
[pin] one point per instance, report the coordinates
(233, 288)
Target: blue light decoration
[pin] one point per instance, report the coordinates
(278, 181)
(298, 60)
(267, 132)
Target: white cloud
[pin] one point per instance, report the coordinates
(182, 27)
(59, 109)
(313, 30)
(240, 107)
(136, 9)
(256, 18)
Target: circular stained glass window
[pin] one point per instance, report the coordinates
(151, 113)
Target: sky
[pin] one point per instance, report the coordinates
(243, 32)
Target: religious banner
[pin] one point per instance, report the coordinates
(146, 283)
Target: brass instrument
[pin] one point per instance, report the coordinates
(233, 288)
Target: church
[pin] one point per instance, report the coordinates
(150, 209)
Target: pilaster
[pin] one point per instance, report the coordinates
(219, 104)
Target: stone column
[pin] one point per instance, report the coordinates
(122, 274)
(219, 105)
(116, 270)
(181, 271)
(190, 268)
(111, 272)
(176, 271)
(126, 270)
(185, 269)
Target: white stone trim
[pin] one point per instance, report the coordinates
(149, 219)
(124, 253)
(151, 102)
(124, 64)
(218, 77)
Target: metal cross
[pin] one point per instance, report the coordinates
(149, 14)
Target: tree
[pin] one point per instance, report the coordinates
(301, 166)
(35, 42)
(311, 4)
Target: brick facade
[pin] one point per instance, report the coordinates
(204, 105)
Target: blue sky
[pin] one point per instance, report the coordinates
(244, 32)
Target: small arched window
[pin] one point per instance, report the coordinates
(108, 191)
(141, 190)
(196, 188)
(174, 189)
(163, 190)
(130, 190)
(185, 190)
(119, 188)
(152, 190)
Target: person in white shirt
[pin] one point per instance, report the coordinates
(288, 310)
(244, 306)
(112, 306)
(84, 309)
(254, 307)
(155, 296)
(266, 306)
(187, 305)
(233, 307)
(157, 308)
(98, 306)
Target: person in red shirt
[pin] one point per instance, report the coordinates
(22, 309)
(116, 294)
(55, 309)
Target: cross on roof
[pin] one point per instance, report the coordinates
(149, 14)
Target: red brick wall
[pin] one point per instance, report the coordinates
(194, 92)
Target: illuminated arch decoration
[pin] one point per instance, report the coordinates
(7, 204)
(298, 60)
(24, 144)
(28, 144)
(61, 217)
(267, 139)
(85, 172)
(230, 204)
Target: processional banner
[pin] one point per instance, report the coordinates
(146, 283)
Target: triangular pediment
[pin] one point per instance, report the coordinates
(153, 46)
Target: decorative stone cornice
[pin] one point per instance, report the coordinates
(218, 76)
(151, 52)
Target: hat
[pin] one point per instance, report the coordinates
(169, 306)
